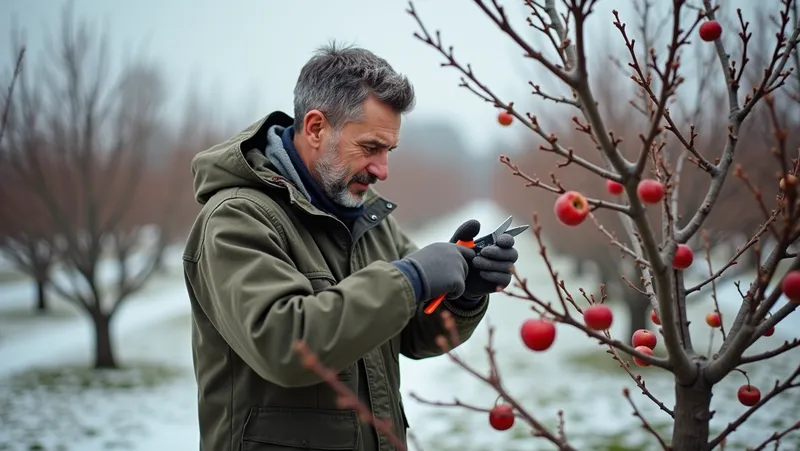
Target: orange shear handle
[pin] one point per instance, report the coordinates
(430, 308)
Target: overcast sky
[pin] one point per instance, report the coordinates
(247, 53)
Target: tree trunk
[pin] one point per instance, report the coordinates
(104, 352)
(692, 416)
(41, 295)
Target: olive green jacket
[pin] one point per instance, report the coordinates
(263, 268)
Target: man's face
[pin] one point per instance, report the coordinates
(357, 156)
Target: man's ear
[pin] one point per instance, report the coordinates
(314, 124)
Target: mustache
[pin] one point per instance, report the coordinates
(365, 178)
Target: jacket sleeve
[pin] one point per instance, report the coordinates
(418, 339)
(260, 303)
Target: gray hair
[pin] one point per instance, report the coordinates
(337, 81)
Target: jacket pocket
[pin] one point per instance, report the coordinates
(286, 428)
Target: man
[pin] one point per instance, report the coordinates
(293, 243)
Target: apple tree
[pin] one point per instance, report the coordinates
(646, 196)
(730, 223)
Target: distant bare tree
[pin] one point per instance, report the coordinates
(26, 235)
(88, 166)
(25, 239)
(9, 95)
(198, 130)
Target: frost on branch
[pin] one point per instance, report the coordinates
(668, 190)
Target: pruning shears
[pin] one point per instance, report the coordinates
(477, 245)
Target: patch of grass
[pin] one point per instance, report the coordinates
(520, 434)
(29, 312)
(623, 441)
(441, 445)
(43, 408)
(545, 399)
(10, 276)
(601, 361)
(516, 365)
(118, 444)
(143, 375)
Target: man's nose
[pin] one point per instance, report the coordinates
(379, 167)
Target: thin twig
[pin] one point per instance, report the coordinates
(10, 92)
(347, 398)
(776, 437)
(645, 424)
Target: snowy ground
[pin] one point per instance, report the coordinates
(49, 401)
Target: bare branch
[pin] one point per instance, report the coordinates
(779, 387)
(10, 92)
(558, 189)
(645, 424)
(487, 95)
(777, 436)
(614, 241)
(786, 346)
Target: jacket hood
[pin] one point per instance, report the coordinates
(240, 162)
(230, 164)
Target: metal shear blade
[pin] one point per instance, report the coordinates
(514, 231)
(490, 239)
(501, 228)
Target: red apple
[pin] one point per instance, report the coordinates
(791, 286)
(710, 31)
(713, 319)
(571, 208)
(644, 337)
(683, 257)
(501, 417)
(650, 191)
(748, 395)
(614, 187)
(538, 334)
(643, 350)
(505, 118)
(654, 317)
(598, 317)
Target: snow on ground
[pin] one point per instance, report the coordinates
(151, 405)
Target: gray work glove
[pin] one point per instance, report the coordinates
(442, 268)
(492, 267)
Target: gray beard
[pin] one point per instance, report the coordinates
(332, 174)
